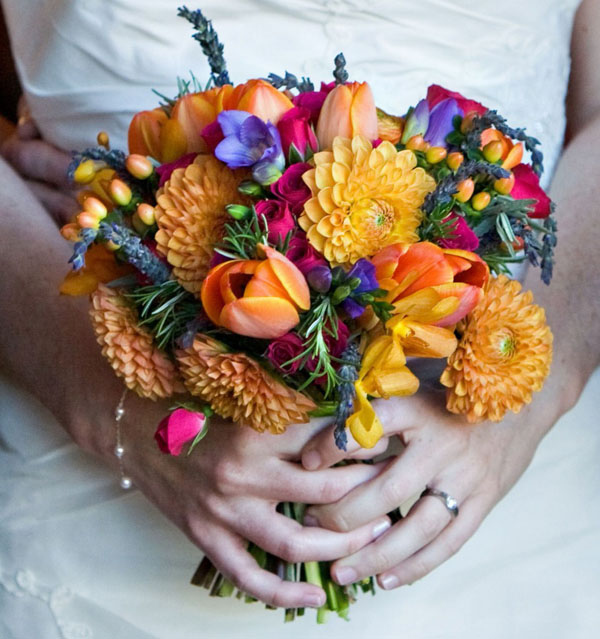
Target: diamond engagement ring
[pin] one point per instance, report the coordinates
(448, 501)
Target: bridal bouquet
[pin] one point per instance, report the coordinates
(269, 252)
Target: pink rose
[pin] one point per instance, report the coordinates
(164, 170)
(527, 186)
(280, 220)
(303, 254)
(178, 428)
(291, 188)
(213, 135)
(462, 236)
(436, 94)
(282, 350)
(295, 128)
(313, 100)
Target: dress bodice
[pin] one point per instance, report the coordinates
(511, 55)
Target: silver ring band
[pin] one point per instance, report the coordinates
(448, 501)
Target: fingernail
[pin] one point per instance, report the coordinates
(345, 575)
(314, 600)
(381, 527)
(389, 581)
(309, 520)
(311, 460)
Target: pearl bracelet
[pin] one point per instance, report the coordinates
(125, 481)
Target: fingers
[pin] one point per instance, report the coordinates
(60, 205)
(404, 477)
(447, 544)
(228, 553)
(422, 525)
(26, 126)
(38, 160)
(286, 538)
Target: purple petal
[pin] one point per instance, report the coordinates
(352, 308)
(440, 121)
(254, 133)
(234, 153)
(231, 121)
(417, 122)
(365, 271)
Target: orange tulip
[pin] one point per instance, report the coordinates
(510, 154)
(257, 298)
(348, 111)
(261, 99)
(404, 269)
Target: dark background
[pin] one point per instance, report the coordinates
(9, 84)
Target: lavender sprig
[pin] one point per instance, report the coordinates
(87, 237)
(340, 74)
(493, 118)
(209, 41)
(135, 252)
(289, 81)
(348, 374)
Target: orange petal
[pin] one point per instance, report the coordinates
(235, 279)
(290, 277)
(144, 132)
(334, 118)
(210, 293)
(194, 112)
(468, 296)
(265, 101)
(261, 317)
(173, 142)
(79, 283)
(387, 259)
(429, 262)
(363, 113)
(428, 341)
(478, 272)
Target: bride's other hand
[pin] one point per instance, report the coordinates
(41, 165)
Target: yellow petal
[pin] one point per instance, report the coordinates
(364, 423)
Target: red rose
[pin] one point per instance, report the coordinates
(282, 350)
(313, 100)
(436, 94)
(527, 186)
(303, 254)
(164, 170)
(280, 221)
(291, 188)
(295, 128)
(213, 135)
(462, 236)
(178, 428)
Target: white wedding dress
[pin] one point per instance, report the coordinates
(79, 558)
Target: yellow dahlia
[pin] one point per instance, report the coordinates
(238, 387)
(363, 199)
(190, 215)
(143, 367)
(503, 355)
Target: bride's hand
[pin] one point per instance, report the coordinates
(475, 464)
(227, 491)
(41, 165)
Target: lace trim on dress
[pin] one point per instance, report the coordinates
(24, 583)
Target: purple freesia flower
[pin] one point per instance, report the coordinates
(365, 272)
(440, 121)
(416, 122)
(249, 141)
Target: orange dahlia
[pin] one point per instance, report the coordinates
(191, 215)
(363, 199)
(503, 355)
(238, 387)
(129, 348)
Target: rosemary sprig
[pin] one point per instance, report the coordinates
(165, 309)
(242, 237)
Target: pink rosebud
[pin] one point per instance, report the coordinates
(313, 100)
(437, 94)
(164, 170)
(213, 135)
(303, 254)
(178, 428)
(295, 128)
(461, 237)
(290, 187)
(280, 220)
(282, 350)
(527, 186)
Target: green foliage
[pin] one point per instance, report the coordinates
(242, 237)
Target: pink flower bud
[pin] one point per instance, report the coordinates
(178, 428)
